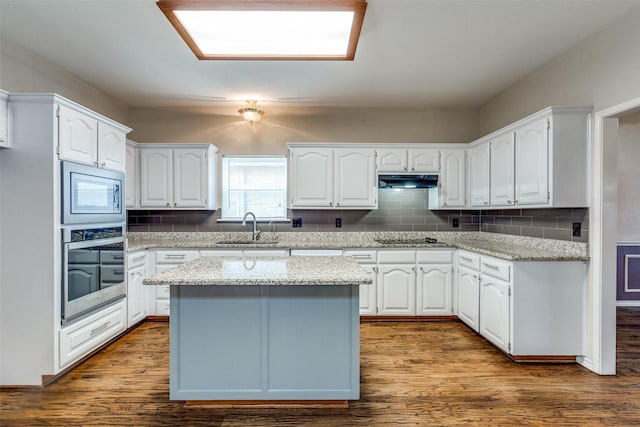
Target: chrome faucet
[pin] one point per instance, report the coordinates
(256, 231)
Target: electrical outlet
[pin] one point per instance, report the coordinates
(338, 222)
(455, 222)
(296, 222)
(577, 229)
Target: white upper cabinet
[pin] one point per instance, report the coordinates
(78, 136)
(85, 139)
(479, 182)
(4, 120)
(111, 147)
(409, 160)
(332, 178)
(392, 160)
(423, 160)
(538, 162)
(311, 177)
(190, 181)
(532, 163)
(355, 183)
(502, 170)
(452, 185)
(131, 174)
(177, 178)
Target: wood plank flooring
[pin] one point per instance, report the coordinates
(413, 374)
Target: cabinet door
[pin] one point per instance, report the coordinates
(78, 136)
(4, 123)
(355, 178)
(396, 290)
(494, 311)
(392, 160)
(424, 159)
(131, 178)
(156, 178)
(368, 293)
(434, 290)
(532, 163)
(111, 147)
(190, 184)
(502, 174)
(452, 179)
(136, 307)
(479, 176)
(468, 297)
(311, 177)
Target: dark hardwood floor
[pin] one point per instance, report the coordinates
(413, 374)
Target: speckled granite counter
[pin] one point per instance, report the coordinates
(265, 271)
(517, 248)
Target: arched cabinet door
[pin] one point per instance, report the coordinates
(396, 289)
(434, 290)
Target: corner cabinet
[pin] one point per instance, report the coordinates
(85, 138)
(177, 176)
(332, 177)
(540, 161)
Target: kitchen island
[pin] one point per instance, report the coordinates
(264, 329)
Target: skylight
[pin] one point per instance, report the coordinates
(294, 29)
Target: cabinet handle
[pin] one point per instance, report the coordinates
(509, 202)
(168, 204)
(493, 267)
(175, 205)
(361, 256)
(375, 269)
(103, 164)
(95, 164)
(464, 258)
(118, 257)
(178, 256)
(140, 258)
(96, 331)
(515, 202)
(486, 203)
(118, 271)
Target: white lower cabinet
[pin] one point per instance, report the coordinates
(84, 336)
(136, 291)
(434, 283)
(525, 308)
(368, 293)
(165, 260)
(469, 297)
(396, 289)
(494, 316)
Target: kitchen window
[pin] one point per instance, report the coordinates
(255, 184)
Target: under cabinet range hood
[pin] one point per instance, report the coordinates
(407, 181)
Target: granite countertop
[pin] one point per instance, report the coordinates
(264, 271)
(515, 248)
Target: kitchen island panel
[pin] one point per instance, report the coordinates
(264, 343)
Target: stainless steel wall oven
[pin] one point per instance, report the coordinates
(93, 270)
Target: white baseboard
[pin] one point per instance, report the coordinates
(586, 362)
(627, 303)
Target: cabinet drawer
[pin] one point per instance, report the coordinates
(469, 259)
(435, 257)
(175, 257)
(363, 257)
(496, 268)
(397, 257)
(162, 307)
(111, 257)
(136, 259)
(82, 337)
(162, 291)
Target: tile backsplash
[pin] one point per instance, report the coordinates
(398, 210)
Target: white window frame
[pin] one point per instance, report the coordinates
(224, 185)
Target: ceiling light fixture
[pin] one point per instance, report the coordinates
(251, 112)
(268, 29)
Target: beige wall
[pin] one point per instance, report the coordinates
(23, 71)
(629, 178)
(224, 128)
(602, 71)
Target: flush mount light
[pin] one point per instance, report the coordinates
(268, 29)
(251, 112)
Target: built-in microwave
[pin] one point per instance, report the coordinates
(91, 195)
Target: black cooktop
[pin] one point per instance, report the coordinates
(420, 241)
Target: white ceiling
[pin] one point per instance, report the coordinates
(412, 53)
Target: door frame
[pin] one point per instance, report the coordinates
(600, 333)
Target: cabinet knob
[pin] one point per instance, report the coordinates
(486, 203)
(103, 164)
(515, 202)
(330, 203)
(508, 202)
(405, 168)
(413, 169)
(175, 205)
(338, 204)
(168, 204)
